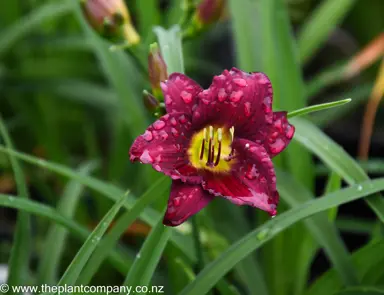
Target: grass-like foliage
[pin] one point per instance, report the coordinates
(75, 211)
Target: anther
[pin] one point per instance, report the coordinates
(209, 160)
(219, 134)
(232, 131)
(219, 139)
(203, 143)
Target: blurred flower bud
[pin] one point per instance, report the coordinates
(208, 12)
(153, 105)
(110, 18)
(150, 102)
(157, 69)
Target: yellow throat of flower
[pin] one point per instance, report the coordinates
(211, 149)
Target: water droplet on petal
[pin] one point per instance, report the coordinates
(146, 157)
(274, 135)
(236, 96)
(252, 173)
(222, 95)
(290, 132)
(206, 101)
(278, 125)
(173, 121)
(159, 124)
(240, 82)
(247, 109)
(263, 80)
(182, 119)
(168, 100)
(164, 86)
(277, 146)
(176, 202)
(148, 135)
(175, 132)
(267, 105)
(163, 135)
(186, 96)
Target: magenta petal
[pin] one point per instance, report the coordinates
(252, 181)
(275, 137)
(236, 98)
(164, 145)
(180, 93)
(184, 201)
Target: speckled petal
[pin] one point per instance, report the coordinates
(164, 145)
(184, 201)
(180, 93)
(235, 98)
(252, 181)
(276, 136)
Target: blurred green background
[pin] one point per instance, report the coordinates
(66, 97)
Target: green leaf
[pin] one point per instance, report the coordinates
(318, 107)
(118, 229)
(321, 229)
(148, 14)
(246, 34)
(361, 290)
(320, 25)
(333, 185)
(25, 25)
(171, 48)
(359, 94)
(373, 166)
(355, 225)
(363, 259)
(121, 262)
(249, 271)
(90, 94)
(228, 259)
(19, 258)
(148, 215)
(336, 158)
(56, 237)
(72, 272)
(147, 259)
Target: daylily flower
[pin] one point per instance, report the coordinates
(217, 142)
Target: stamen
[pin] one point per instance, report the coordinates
(219, 139)
(218, 155)
(219, 134)
(212, 154)
(202, 149)
(203, 143)
(209, 160)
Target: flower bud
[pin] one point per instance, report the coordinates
(157, 69)
(208, 12)
(110, 18)
(150, 102)
(153, 105)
